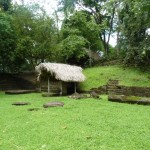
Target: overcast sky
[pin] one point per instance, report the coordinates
(49, 5)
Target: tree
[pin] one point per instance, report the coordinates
(7, 42)
(79, 34)
(67, 6)
(103, 13)
(133, 25)
(36, 34)
(72, 49)
(5, 4)
(129, 18)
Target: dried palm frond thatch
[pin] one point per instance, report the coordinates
(61, 72)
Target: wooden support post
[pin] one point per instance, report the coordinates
(60, 87)
(48, 86)
(40, 87)
(40, 84)
(75, 87)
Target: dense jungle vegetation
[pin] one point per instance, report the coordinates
(28, 35)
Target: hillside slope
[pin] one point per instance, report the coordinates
(98, 76)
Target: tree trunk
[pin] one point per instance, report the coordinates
(90, 57)
(61, 88)
(110, 30)
(118, 44)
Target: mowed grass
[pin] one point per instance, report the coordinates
(86, 124)
(98, 76)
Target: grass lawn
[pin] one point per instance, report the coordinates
(85, 124)
(98, 76)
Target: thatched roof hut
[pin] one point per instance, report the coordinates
(61, 72)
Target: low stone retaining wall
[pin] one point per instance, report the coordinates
(20, 91)
(113, 88)
(129, 99)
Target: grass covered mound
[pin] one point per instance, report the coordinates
(86, 124)
(98, 76)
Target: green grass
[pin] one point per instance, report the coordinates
(85, 124)
(98, 76)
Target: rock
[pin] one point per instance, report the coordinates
(75, 96)
(33, 109)
(50, 94)
(19, 91)
(78, 96)
(93, 94)
(115, 98)
(144, 102)
(129, 99)
(53, 104)
(21, 103)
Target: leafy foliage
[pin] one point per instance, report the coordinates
(73, 48)
(67, 6)
(79, 34)
(29, 36)
(5, 4)
(7, 42)
(36, 34)
(129, 18)
(103, 14)
(134, 25)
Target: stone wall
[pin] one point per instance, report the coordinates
(137, 91)
(113, 88)
(15, 82)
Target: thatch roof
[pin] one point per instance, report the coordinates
(61, 72)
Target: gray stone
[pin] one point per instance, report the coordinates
(93, 94)
(19, 91)
(78, 96)
(129, 99)
(53, 104)
(33, 109)
(21, 103)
